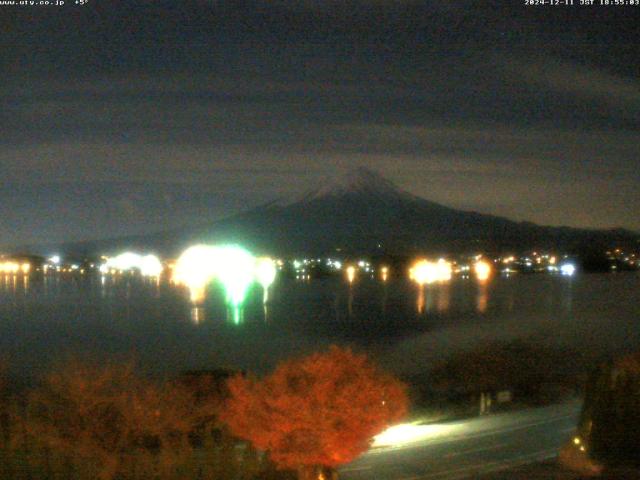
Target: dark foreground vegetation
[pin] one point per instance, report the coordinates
(309, 416)
(90, 421)
(497, 376)
(608, 433)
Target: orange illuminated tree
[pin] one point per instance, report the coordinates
(315, 413)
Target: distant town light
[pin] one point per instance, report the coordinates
(424, 272)
(568, 269)
(124, 261)
(384, 273)
(9, 267)
(265, 271)
(266, 274)
(150, 266)
(351, 273)
(482, 270)
(444, 270)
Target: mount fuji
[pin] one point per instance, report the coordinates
(364, 213)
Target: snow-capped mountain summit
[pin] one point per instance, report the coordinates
(360, 181)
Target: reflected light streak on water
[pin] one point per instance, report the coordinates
(482, 299)
(385, 297)
(429, 299)
(420, 304)
(236, 314)
(198, 315)
(567, 294)
(444, 298)
(384, 274)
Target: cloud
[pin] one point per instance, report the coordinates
(504, 149)
(587, 83)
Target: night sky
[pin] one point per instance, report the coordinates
(119, 118)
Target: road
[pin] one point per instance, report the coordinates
(464, 449)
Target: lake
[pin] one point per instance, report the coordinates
(45, 319)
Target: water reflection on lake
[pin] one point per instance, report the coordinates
(401, 323)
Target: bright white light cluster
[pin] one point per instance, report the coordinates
(266, 271)
(365, 266)
(236, 270)
(147, 265)
(334, 264)
(195, 269)
(233, 266)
